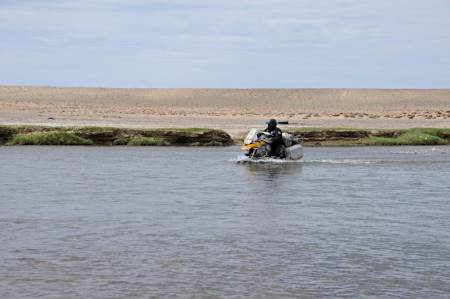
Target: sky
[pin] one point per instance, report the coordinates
(226, 43)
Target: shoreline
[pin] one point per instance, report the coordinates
(234, 111)
(110, 136)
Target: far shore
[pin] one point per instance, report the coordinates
(233, 110)
(108, 136)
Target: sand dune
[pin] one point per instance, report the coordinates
(230, 109)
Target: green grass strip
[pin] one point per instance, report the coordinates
(411, 137)
(49, 138)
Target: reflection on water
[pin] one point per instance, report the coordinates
(103, 222)
(272, 171)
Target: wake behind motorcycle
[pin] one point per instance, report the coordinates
(258, 146)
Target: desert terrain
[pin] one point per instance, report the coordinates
(233, 110)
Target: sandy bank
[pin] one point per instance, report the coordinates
(233, 110)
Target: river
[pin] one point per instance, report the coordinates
(176, 222)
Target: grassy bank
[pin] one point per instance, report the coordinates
(354, 137)
(41, 135)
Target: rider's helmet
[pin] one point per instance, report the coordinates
(271, 124)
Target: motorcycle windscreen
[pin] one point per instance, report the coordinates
(252, 136)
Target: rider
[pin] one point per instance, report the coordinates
(275, 136)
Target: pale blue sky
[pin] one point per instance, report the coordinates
(226, 43)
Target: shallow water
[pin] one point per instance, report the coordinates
(122, 222)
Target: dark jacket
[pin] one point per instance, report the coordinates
(275, 136)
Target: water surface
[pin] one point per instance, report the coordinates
(120, 222)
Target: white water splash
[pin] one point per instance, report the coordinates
(245, 159)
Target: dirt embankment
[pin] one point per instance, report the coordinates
(38, 135)
(355, 137)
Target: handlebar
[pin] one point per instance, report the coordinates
(281, 122)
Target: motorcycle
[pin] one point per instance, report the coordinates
(258, 146)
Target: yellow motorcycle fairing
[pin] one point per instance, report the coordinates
(247, 147)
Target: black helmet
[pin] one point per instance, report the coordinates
(272, 124)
